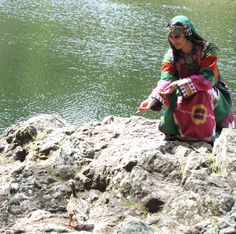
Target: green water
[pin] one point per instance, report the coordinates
(87, 59)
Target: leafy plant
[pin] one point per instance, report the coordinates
(40, 136)
(133, 205)
(180, 172)
(54, 174)
(214, 163)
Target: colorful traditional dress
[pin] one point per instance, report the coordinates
(202, 103)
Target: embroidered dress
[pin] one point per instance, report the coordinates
(202, 103)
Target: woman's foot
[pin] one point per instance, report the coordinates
(169, 137)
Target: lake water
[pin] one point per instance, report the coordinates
(86, 59)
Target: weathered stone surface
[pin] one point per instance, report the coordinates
(134, 180)
(133, 227)
(225, 150)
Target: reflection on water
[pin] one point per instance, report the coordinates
(89, 59)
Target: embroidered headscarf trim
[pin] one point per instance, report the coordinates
(182, 30)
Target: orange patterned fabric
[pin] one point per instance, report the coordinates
(166, 67)
(210, 61)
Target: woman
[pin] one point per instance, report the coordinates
(198, 103)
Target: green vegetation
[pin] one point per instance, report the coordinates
(54, 174)
(40, 136)
(214, 163)
(181, 168)
(133, 205)
(180, 172)
(214, 221)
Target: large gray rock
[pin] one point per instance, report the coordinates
(124, 168)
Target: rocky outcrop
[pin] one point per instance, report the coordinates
(133, 180)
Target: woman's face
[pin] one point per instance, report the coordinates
(179, 42)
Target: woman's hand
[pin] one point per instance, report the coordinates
(145, 105)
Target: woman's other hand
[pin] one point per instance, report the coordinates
(169, 89)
